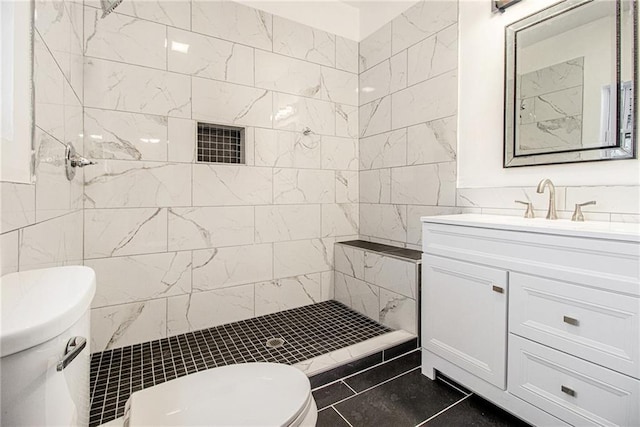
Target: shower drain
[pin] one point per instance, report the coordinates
(274, 342)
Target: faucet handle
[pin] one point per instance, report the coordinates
(577, 213)
(529, 212)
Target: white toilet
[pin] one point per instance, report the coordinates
(250, 394)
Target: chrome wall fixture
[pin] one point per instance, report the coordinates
(73, 160)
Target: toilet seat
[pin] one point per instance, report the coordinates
(249, 394)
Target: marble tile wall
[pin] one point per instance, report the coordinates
(180, 245)
(408, 124)
(41, 223)
(408, 137)
(381, 287)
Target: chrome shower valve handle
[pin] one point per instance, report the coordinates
(73, 160)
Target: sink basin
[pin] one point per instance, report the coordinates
(39, 305)
(592, 229)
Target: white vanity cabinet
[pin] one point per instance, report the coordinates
(541, 317)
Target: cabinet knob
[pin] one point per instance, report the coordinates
(571, 392)
(571, 321)
(498, 289)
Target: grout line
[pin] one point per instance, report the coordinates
(341, 416)
(444, 410)
(350, 388)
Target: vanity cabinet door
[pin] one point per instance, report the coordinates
(464, 316)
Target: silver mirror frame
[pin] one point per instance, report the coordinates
(625, 148)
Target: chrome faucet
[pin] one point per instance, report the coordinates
(551, 213)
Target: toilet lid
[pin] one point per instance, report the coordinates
(249, 394)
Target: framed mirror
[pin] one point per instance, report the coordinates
(570, 75)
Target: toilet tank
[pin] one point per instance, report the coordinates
(44, 368)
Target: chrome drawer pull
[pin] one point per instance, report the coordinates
(498, 289)
(74, 346)
(571, 321)
(568, 391)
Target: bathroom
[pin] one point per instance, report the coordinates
(346, 128)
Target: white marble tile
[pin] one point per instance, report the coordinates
(399, 72)
(422, 20)
(18, 207)
(551, 135)
(347, 121)
(375, 186)
(300, 257)
(414, 225)
(202, 56)
(327, 291)
(287, 149)
(122, 325)
(224, 267)
(347, 188)
(552, 78)
(398, 311)
(375, 82)
(124, 38)
(55, 194)
(228, 103)
(124, 136)
(349, 260)
(433, 99)
(137, 278)
(503, 197)
(375, 117)
(287, 293)
(287, 222)
(384, 150)
(303, 186)
(375, 48)
(210, 227)
(117, 232)
(337, 358)
(211, 308)
(121, 183)
(175, 13)
(9, 248)
(391, 274)
(384, 221)
(124, 87)
(615, 199)
(289, 75)
(181, 139)
(218, 185)
(339, 219)
(438, 184)
(295, 113)
(60, 25)
(432, 142)
(434, 55)
(339, 86)
(346, 54)
(301, 41)
(361, 296)
(233, 21)
(52, 243)
(628, 218)
(339, 153)
(49, 83)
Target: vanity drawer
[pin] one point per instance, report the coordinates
(576, 391)
(599, 326)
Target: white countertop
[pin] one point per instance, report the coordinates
(591, 229)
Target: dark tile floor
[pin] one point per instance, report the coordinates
(396, 394)
(307, 332)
